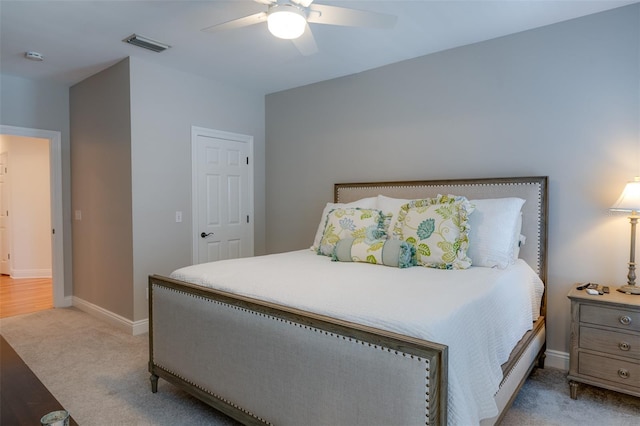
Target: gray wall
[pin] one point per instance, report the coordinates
(101, 190)
(164, 105)
(561, 101)
(131, 140)
(43, 105)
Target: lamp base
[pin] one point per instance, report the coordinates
(630, 289)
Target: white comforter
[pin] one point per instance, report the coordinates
(480, 313)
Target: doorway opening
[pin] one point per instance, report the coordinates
(55, 242)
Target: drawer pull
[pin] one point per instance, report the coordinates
(623, 373)
(624, 346)
(625, 320)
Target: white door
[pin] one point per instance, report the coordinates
(4, 219)
(222, 195)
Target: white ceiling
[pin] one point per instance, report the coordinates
(79, 38)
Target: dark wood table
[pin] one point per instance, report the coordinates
(23, 397)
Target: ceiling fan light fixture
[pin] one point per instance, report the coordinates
(286, 21)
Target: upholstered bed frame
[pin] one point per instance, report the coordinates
(263, 363)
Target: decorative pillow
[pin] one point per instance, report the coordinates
(357, 223)
(494, 237)
(364, 203)
(396, 253)
(438, 228)
(391, 207)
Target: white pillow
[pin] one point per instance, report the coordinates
(518, 238)
(391, 207)
(365, 203)
(494, 234)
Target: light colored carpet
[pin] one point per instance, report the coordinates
(99, 374)
(544, 400)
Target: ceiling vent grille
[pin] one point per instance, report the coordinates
(146, 43)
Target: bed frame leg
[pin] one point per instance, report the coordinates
(154, 383)
(542, 355)
(541, 359)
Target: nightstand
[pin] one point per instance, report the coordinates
(605, 341)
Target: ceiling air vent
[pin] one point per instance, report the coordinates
(146, 43)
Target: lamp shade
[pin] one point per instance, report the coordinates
(630, 198)
(286, 21)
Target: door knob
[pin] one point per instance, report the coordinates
(204, 235)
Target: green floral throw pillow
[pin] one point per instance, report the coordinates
(438, 228)
(396, 253)
(359, 224)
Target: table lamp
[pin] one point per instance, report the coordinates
(629, 201)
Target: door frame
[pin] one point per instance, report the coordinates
(219, 134)
(7, 268)
(55, 179)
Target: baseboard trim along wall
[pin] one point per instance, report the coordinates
(557, 359)
(124, 324)
(31, 273)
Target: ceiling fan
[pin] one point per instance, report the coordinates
(290, 19)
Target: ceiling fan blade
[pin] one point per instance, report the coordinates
(238, 23)
(267, 2)
(306, 43)
(303, 3)
(334, 15)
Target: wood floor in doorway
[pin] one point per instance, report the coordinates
(24, 295)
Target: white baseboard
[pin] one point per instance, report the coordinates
(557, 359)
(66, 302)
(140, 327)
(31, 273)
(124, 324)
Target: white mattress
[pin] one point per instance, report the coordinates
(480, 313)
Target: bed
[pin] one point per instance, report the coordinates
(297, 338)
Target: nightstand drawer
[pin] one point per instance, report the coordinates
(611, 317)
(613, 370)
(611, 342)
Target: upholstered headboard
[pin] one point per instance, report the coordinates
(531, 189)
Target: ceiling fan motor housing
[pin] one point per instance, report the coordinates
(286, 20)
